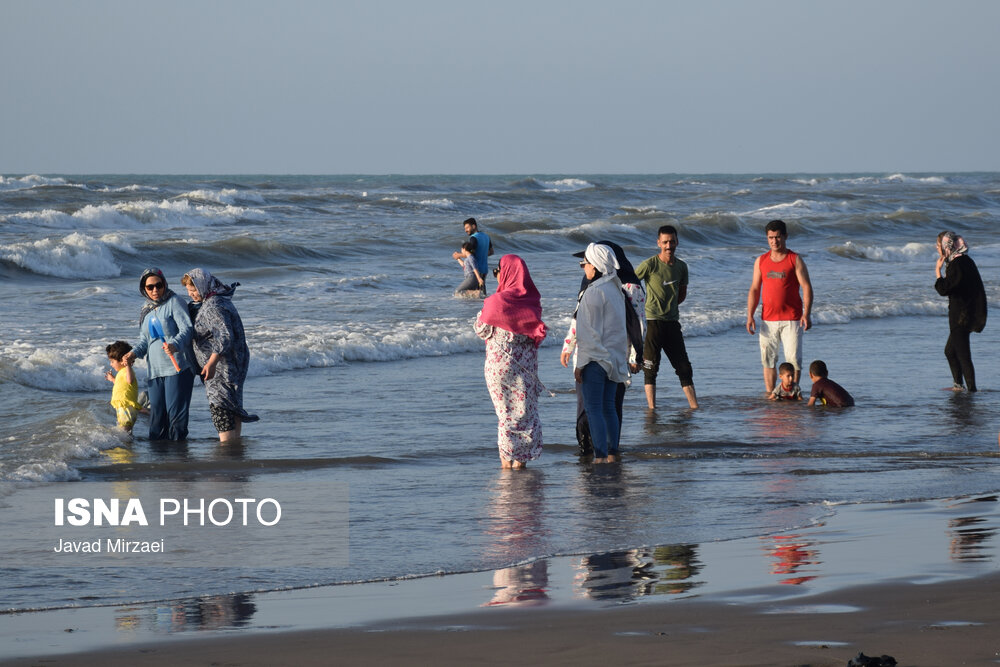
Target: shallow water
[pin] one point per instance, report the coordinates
(368, 377)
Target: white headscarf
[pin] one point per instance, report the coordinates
(603, 259)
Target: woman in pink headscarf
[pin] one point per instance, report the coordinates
(511, 324)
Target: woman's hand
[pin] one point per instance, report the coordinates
(937, 268)
(208, 370)
(564, 359)
(169, 348)
(129, 358)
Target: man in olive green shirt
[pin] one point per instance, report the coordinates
(666, 280)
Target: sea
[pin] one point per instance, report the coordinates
(377, 437)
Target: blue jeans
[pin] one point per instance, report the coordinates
(169, 399)
(599, 403)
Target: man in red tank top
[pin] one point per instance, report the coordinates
(779, 274)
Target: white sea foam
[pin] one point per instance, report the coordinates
(641, 210)
(593, 229)
(68, 366)
(228, 196)
(565, 185)
(28, 182)
(129, 188)
(902, 178)
(797, 207)
(137, 215)
(898, 253)
(310, 346)
(73, 256)
(444, 203)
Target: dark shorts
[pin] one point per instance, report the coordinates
(223, 420)
(665, 336)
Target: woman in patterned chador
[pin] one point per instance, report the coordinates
(511, 324)
(220, 348)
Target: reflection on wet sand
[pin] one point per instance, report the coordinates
(622, 576)
(793, 555)
(521, 585)
(970, 536)
(216, 612)
(516, 525)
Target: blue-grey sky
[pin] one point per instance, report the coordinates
(508, 86)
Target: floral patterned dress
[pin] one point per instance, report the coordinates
(511, 371)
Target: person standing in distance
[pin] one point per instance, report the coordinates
(484, 248)
(666, 279)
(778, 275)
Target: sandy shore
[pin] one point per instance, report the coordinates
(917, 581)
(953, 623)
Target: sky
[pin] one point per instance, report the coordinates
(498, 87)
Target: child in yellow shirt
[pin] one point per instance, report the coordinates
(125, 393)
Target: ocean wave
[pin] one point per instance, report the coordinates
(227, 196)
(905, 252)
(28, 182)
(138, 215)
(642, 210)
(903, 178)
(318, 347)
(49, 450)
(129, 188)
(68, 366)
(561, 185)
(797, 207)
(73, 256)
(76, 366)
(444, 203)
(698, 322)
(903, 215)
(234, 251)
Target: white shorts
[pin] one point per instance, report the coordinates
(788, 334)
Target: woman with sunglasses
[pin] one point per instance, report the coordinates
(165, 342)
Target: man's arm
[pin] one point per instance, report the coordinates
(682, 294)
(753, 297)
(802, 273)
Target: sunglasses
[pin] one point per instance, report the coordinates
(152, 286)
(496, 271)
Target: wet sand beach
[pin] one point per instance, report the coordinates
(917, 581)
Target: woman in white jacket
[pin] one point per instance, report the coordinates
(602, 344)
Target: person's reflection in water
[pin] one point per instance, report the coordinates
(792, 555)
(521, 585)
(682, 566)
(517, 527)
(167, 448)
(970, 540)
(206, 613)
(213, 613)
